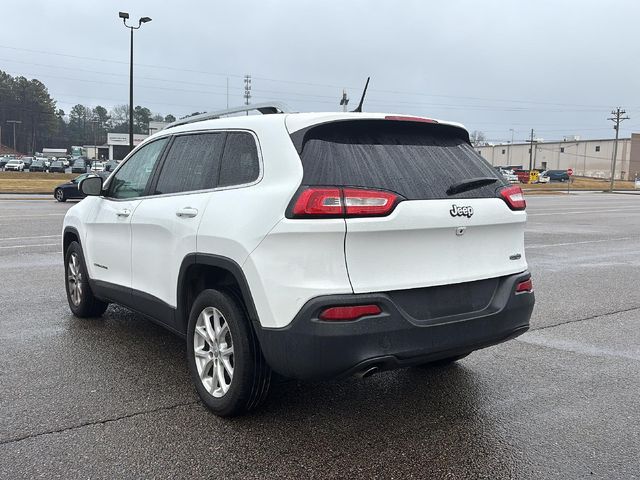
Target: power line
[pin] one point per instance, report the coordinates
(397, 92)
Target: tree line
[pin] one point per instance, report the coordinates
(42, 124)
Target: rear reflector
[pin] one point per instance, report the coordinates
(410, 119)
(349, 313)
(514, 198)
(526, 286)
(340, 202)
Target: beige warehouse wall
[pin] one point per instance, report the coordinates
(590, 158)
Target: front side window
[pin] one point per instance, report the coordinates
(192, 163)
(132, 178)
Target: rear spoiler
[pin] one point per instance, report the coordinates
(299, 137)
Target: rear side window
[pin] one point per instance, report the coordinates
(192, 163)
(240, 163)
(416, 160)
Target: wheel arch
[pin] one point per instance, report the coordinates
(69, 235)
(200, 271)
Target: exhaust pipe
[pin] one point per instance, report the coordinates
(367, 372)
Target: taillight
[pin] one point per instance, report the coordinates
(359, 202)
(525, 286)
(349, 313)
(325, 202)
(514, 198)
(319, 202)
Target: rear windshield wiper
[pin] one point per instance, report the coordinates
(470, 184)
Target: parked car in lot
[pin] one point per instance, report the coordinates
(69, 190)
(14, 165)
(523, 175)
(38, 165)
(311, 245)
(79, 166)
(57, 167)
(4, 161)
(508, 175)
(98, 166)
(111, 165)
(555, 176)
(27, 162)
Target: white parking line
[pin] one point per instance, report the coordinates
(27, 246)
(41, 215)
(29, 238)
(593, 210)
(527, 247)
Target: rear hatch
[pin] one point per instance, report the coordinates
(434, 235)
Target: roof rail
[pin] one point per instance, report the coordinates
(264, 108)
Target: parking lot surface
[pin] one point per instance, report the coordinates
(111, 397)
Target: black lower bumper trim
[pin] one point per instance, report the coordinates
(311, 348)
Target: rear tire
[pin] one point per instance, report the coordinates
(81, 300)
(225, 361)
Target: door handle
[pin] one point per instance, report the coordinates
(125, 212)
(187, 212)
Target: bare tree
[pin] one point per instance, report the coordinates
(478, 138)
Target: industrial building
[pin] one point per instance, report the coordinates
(588, 158)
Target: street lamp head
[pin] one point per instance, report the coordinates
(145, 20)
(123, 15)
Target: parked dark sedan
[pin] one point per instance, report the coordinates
(79, 166)
(556, 175)
(57, 167)
(4, 161)
(38, 166)
(69, 190)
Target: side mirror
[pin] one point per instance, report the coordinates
(91, 186)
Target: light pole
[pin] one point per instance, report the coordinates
(125, 16)
(14, 131)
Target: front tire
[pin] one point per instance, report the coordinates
(81, 300)
(59, 194)
(225, 361)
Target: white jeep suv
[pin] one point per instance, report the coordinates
(312, 245)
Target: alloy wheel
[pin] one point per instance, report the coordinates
(213, 349)
(74, 279)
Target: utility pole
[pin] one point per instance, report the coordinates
(14, 131)
(510, 145)
(247, 90)
(344, 101)
(531, 151)
(616, 119)
(227, 93)
(95, 144)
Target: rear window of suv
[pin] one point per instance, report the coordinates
(416, 160)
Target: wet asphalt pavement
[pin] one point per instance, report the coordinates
(111, 398)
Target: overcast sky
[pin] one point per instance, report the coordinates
(556, 66)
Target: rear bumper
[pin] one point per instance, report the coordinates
(311, 348)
